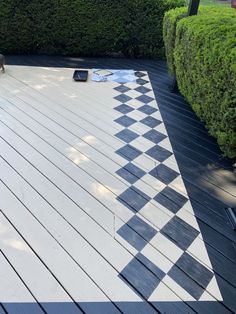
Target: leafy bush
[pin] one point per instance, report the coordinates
(205, 65)
(79, 27)
(171, 19)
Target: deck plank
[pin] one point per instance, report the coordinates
(2, 311)
(14, 294)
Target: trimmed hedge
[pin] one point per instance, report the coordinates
(79, 27)
(204, 61)
(171, 19)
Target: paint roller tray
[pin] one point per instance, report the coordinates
(80, 75)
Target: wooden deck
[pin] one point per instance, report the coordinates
(113, 195)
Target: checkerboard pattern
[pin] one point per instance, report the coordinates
(119, 76)
(150, 159)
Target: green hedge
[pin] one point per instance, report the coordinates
(84, 27)
(171, 19)
(205, 66)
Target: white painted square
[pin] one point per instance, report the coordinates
(178, 185)
(161, 128)
(146, 188)
(150, 93)
(198, 250)
(214, 290)
(133, 103)
(155, 183)
(142, 144)
(139, 128)
(188, 218)
(137, 115)
(132, 93)
(131, 85)
(181, 293)
(166, 144)
(155, 215)
(157, 115)
(157, 258)
(171, 163)
(163, 293)
(166, 247)
(146, 163)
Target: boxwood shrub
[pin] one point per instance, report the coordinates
(79, 27)
(205, 66)
(171, 19)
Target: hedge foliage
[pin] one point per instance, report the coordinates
(171, 19)
(204, 61)
(84, 27)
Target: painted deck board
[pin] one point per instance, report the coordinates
(12, 289)
(67, 180)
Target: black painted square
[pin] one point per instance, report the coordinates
(175, 196)
(142, 89)
(134, 199)
(125, 121)
(159, 153)
(147, 109)
(152, 267)
(132, 237)
(135, 170)
(179, 232)
(140, 278)
(131, 173)
(154, 136)
(164, 173)
(122, 98)
(195, 270)
(122, 88)
(186, 282)
(167, 203)
(127, 135)
(145, 99)
(141, 81)
(146, 231)
(128, 152)
(124, 108)
(151, 122)
(139, 74)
